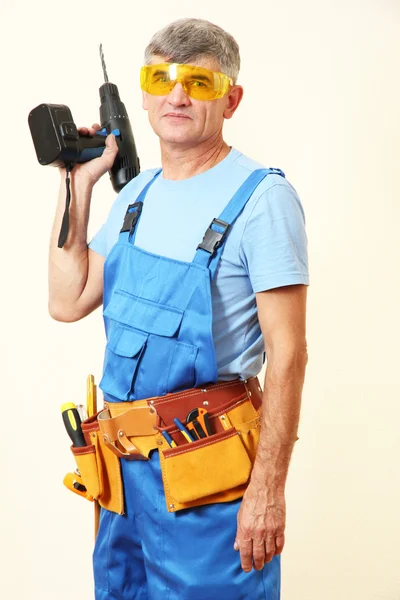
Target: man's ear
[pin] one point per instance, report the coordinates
(234, 98)
(144, 100)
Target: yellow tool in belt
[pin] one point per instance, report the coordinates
(91, 407)
(91, 396)
(73, 481)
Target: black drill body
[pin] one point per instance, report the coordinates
(113, 116)
(58, 142)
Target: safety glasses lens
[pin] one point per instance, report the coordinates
(197, 82)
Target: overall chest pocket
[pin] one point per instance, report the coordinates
(123, 352)
(147, 358)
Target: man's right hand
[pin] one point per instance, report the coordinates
(76, 272)
(91, 171)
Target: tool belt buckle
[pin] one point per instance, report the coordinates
(117, 431)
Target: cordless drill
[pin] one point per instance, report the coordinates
(58, 143)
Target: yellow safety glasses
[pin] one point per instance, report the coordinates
(197, 82)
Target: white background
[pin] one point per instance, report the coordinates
(321, 102)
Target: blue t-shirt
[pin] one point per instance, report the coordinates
(265, 248)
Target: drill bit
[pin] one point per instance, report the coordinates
(103, 64)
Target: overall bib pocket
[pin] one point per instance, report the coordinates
(123, 353)
(142, 344)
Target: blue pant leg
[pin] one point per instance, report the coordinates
(118, 559)
(189, 554)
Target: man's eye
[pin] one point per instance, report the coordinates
(160, 79)
(197, 83)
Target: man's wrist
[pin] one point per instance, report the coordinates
(271, 464)
(80, 181)
(268, 476)
(82, 184)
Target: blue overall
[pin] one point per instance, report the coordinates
(158, 320)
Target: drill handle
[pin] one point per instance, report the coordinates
(90, 147)
(93, 141)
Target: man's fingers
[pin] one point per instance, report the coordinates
(89, 130)
(111, 141)
(259, 554)
(111, 147)
(279, 542)
(270, 548)
(246, 554)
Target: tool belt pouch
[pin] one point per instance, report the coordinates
(216, 468)
(99, 468)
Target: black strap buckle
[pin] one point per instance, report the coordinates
(213, 239)
(131, 217)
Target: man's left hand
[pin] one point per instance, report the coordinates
(261, 526)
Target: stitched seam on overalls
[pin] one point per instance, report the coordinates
(161, 560)
(108, 550)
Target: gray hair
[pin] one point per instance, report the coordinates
(186, 40)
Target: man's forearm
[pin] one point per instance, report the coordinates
(280, 418)
(68, 267)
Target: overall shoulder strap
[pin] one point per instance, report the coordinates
(134, 210)
(209, 251)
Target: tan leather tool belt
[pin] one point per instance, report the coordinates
(215, 468)
(120, 422)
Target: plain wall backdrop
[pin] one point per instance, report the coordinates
(321, 102)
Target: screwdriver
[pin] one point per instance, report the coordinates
(73, 425)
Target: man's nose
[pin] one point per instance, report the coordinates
(178, 96)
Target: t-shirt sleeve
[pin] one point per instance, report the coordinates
(273, 248)
(107, 235)
(99, 242)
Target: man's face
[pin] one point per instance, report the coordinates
(179, 119)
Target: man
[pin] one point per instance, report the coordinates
(256, 279)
